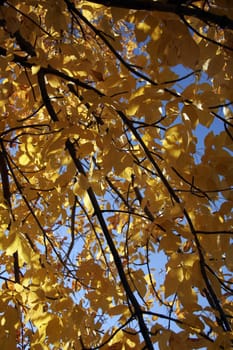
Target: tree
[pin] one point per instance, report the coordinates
(116, 174)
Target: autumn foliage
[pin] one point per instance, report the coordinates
(116, 194)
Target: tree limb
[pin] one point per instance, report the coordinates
(166, 6)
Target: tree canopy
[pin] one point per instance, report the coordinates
(116, 174)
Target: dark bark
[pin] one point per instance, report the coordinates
(183, 8)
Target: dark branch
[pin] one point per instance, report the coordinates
(166, 6)
(118, 263)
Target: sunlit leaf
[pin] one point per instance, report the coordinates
(116, 174)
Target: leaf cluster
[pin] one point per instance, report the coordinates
(116, 174)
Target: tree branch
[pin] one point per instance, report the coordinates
(166, 6)
(118, 263)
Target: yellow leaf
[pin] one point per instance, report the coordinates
(156, 33)
(35, 69)
(127, 173)
(81, 185)
(18, 287)
(142, 31)
(53, 81)
(13, 243)
(3, 102)
(24, 159)
(118, 310)
(54, 329)
(132, 109)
